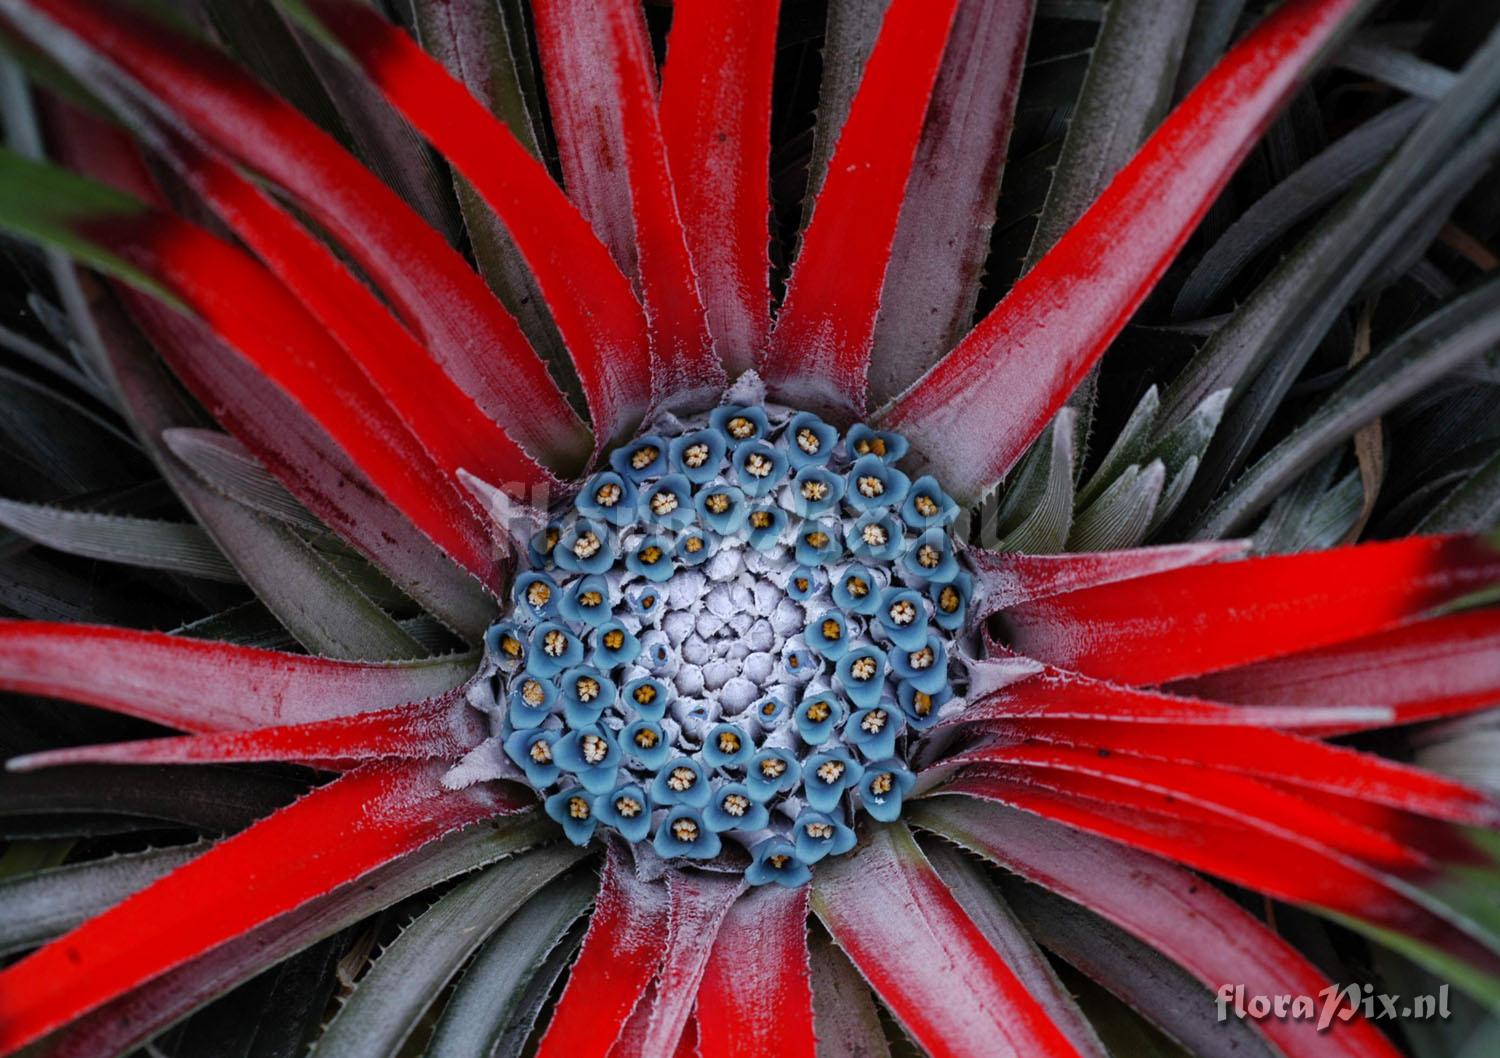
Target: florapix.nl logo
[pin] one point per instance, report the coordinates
(1334, 1003)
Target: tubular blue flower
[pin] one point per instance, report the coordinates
(950, 602)
(552, 649)
(586, 547)
(733, 807)
(680, 781)
(656, 653)
(857, 590)
(818, 543)
(739, 424)
(684, 833)
(652, 558)
(828, 634)
(902, 615)
(927, 506)
(875, 536)
(798, 663)
(542, 545)
(766, 526)
(931, 557)
(816, 491)
(591, 754)
(536, 596)
(586, 693)
(643, 458)
(759, 468)
(645, 603)
(646, 741)
(921, 708)
(924, 667)
(775, 860)
(873, 484)
(727, 746)
(769, 711)
(614, 645)
(861, 674)
(607, 497)
(818, 716)
(648, 697)
(573, 808)
(627, 809)
(533, 753)
(819, 834)
(879, 444)
(669, 502)
(586, 602)
(827, 774)
(873, 731)
(531, 701)
(803, 584)
(506, 644)
(721, 508)
(884, 784)
(699, 456)
(811, 440)
(772, 771)
(693, 548)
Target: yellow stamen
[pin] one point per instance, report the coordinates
(773, 767)
(644, 456)
(741, 428)
(874, 534)
(921, 659)
(591, 598)
(949, 599)
(858, 587)
(693, 545)
(874, 721)
(645, 694)
(554, 643)
(922, 703)
(757, 465)
(614, 639)
(817, 538)
(628, 807)
(831, 630)
(539, 594)
(664, 503)
(819, 831)
(594, 748)
(729, 742)
(695, 455)
(681, 779)
(882, 784)
(760, 519)
(808, 441)
(863, 668)
(814, 490)
(533, 693)
(928, 556)
(587, 545)
(870, 486)
(903, 613)
(779, 860)
(925, 506)
(717, 503)
(817, 712)
(645, 738)
(685, 830)
(608, 495)
(511, 646)
(541, 752)
(578, 808)
(587, 689)
(831, 771)
(651, 554)
(736, 804)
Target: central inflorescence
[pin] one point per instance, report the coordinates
(734, 635)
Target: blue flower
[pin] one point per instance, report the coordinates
(648, 696)
(884, 785)
(799, 663)
(542, 544)
(552, 649)
(826, 775)
(627, 809)
(875, 484)
(828, 634)
(586, 547)
(614, 645)
(802, 584)
(646, 741)
(950, 602)
(535, 596)
(809, 440)
(684, 833)
(608, 497)
(506, 644)
(819, 834)
(652, 559)
(766, 526)
(644, 457)
(883, 445)
(931, 557)
(927, 506)
(698, 456)
(925, 667)
(873, 731)
(721, 508)
(586, 693)
(733, 807)
(693, 548)
(861, 673)
(645, 603)
(818, 716)
(591, 754)
(818, 543)
(770, 772)
(775, 860)
(769, 711)
(857, 591)
(574, 809)
(759, 468)
(875, 536)
(726, 746)
(531, 701)
(903, 616)
(681, 781)
(534, 754)
(669, 502)
(739, 424)
(587, 601)
(656, 652)
(816, 491)
(921, 708)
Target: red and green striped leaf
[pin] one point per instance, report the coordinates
(756, 994)
(699, 902)
(973, 415)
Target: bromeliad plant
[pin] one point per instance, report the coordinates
(762, 615)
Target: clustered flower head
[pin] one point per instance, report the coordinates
(732, 638)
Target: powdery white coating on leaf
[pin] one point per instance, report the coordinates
(756, 995)
(699, 902)
(1164, 905)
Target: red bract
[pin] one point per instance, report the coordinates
(1148, 708)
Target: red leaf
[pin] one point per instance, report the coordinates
(1442, 667)
(820, 349)
(896, 920)
(199, 685)
(1167, 907)
(699, 903)
(446, 728)
(621, 953)
(432, 287)
(590, 299)
(335, 834)
(1191, 621)
(756, 995)
(1006, 578)
(973, 414)
(716, 120)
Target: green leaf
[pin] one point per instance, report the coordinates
(1123, 513)
(1410, 73)
(173, 547)
(846, 1020)
(1312, 514)
(494, 1006)
(390, 999)
(853, 26)
(1036, 515)
(1472, 507)
(229, 468)
(1130, 447)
